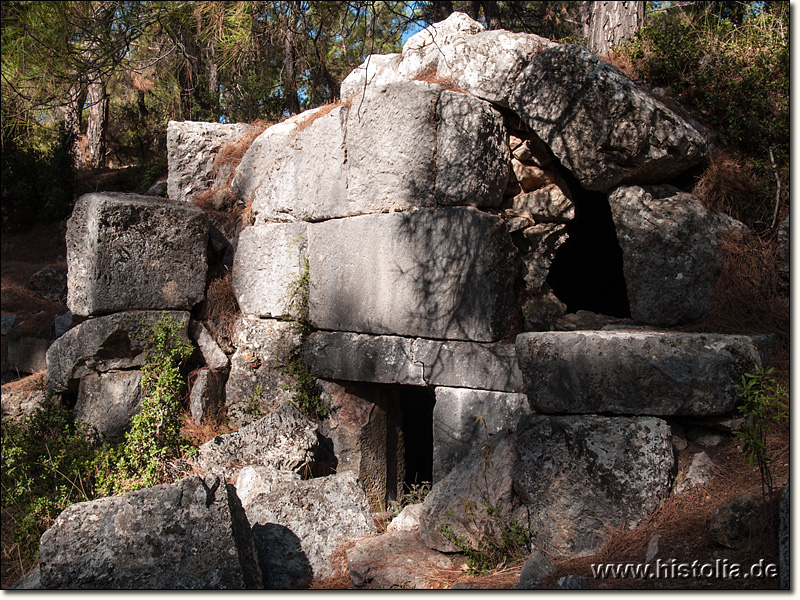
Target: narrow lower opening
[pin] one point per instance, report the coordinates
(417, 406)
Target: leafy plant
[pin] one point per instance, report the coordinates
(252, 403)
(298, 294)
(762, 404)
(305, 396)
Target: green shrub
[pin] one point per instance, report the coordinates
(305, 397)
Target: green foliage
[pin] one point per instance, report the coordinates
(251, 405)
(763, 403)
(304, 393)
(298, 294)
(492, 551)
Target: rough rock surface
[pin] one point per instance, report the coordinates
(407, 520)
(464, 418)
(422, 51)
(16, 404)
(258, 382)
(268, 268)
(471, 484)
(396, 559)
(378, 70)
(108, 401)
(213, 356)
(442, 273)
(50, 283)
(670, 252)
(599, 124)
(699, 473)
(113, 342)
(189, 535)
(394, 359)
(192, 148)
(284, 439)
(27, 353)
(580, 475)
(471, 152)
(207, 395)
(127, 252)
(299, 525)
(635, 373)
(538, 248)
(535, 569)
(730, 523)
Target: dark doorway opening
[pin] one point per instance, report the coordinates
(586, 272)
(417, 406)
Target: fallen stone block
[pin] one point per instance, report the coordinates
(213, 356)
(207, 396)
(135, 252)
(192, 534)
(108, 401)
(634, 372)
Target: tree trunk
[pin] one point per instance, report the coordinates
(290, 98)
(492, 14)
(97, 125)
(609, 24)
(72, 113)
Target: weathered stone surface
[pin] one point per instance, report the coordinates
(572, 582)
(444, 274)
(8, 321)
(784, 540)
(407, 520)
(539, 246)
(207, 395)
(378, 70)
(307, 177)
(268, 267)
(599, 124)
(299, 525)
(730, 523)
(258, 382)
(488, 63)
(189, 535)
(213, 356)
(16, 404)
(535, 569)
(396, 559)
(580, 475)
(393, 359)
(699, 473)
(27, 354)
(159, 188)
(637, 373)
(113, 342)
(284, 439)
(30, 581)
(541, 311)
(50, 283)
(548, 204)
(192, 148)
(670, 252)
(108, 401)
(364, 427)
(471, 152)
(127, 252)
(472, 484)
(63, 323)
(462, 420)
(253, 173)
(398, 175)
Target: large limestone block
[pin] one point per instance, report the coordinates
(126, 251)
(634, 372)
(285, 439)
(463, 419)
(299, 526)
(378, 70)
(446, 274)
(188, 535)
(113, 342)
(471, 152)
(599, 124)
(253, 172)
(671, 254)
(422, 51)
(488, 63)
(359, 357)
(579, 477)
(258, 381)
(108, 401)
(192, 149)
(391, 147)
(308, 178)
(267, 269)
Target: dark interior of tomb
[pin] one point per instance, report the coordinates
(586, 273)
(417, 406)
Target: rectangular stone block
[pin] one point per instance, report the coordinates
(434, 273)
(126, 251)
(464, 419)
(634, 373)
(268, 269)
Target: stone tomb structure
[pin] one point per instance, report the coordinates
(424, 247)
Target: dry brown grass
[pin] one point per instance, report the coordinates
(323, 110)
(429, 75)
(31, 383)
(220, 309)
(726, 186)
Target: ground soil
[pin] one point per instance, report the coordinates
(681, 521)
